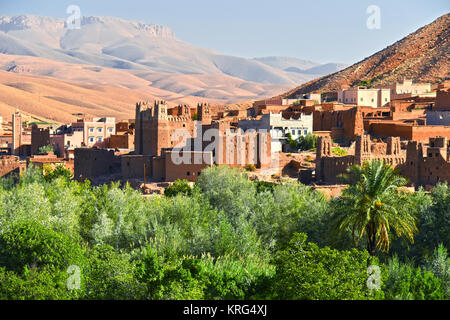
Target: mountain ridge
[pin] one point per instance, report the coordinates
(422, 56)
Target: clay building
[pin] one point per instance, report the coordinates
(421, 164)
(10, 164)
(154, 127)
(330, 166)
(90, 163)
(40, 137)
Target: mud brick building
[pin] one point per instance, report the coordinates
(10, 164)
(421, 164)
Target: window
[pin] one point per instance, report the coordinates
(99, 130)
(385, 99)
(188, 173)
(91, 139)
(306, 132)
(91, 130)
(361, 99)
(299, 132)
(293, 132)
(110, 130)
(99, 139)
(372, 100)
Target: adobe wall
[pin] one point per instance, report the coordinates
(189, 171)
(9, 164)
(442, 100)
(427, 165)
(154, 128)
(92, 163)
(123, 141)
(424, 133)
(132, 166)
(39, 138)
(350, 120)
(389, 128)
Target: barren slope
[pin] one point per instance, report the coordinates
(421, 56)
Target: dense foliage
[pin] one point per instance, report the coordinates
(225, 238)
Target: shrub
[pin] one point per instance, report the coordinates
(46, 149)
(180, 186)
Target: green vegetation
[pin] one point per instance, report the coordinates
(307, 142)
(46, 149)
(250, 167)
(304, 143)
(339, 151)
(372, 206)
(225, 238)
(180, 186)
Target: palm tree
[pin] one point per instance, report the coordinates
(372, 205)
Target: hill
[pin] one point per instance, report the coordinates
(422, 56)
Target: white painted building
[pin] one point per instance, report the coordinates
(279, 127)
(368, 97)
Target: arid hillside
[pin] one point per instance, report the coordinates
(421, 56)
(56, 90)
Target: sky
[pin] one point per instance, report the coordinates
(319, 30)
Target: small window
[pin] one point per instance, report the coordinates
(299, 132)
(91, 139)
(91, 130)
(372, 100)
(362, 99)
(188, 173)
(110, 130)
(293, 132)
(99, 139)
(99, 130)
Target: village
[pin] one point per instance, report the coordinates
(406, 124)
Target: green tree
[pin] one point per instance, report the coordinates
(180, 186)
(405, 282)
(372, 206)
(46, 149)
(304, 271)
(307, 142)
(110, 275)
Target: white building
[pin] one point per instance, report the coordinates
(407, 89)
(279, 127)
(368, 97)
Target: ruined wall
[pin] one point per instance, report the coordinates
(427, 165)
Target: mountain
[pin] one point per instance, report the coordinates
(122, 44)
(55, 90)
(422, 56)
(284, 63)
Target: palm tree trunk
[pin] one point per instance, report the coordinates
(371, 239)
